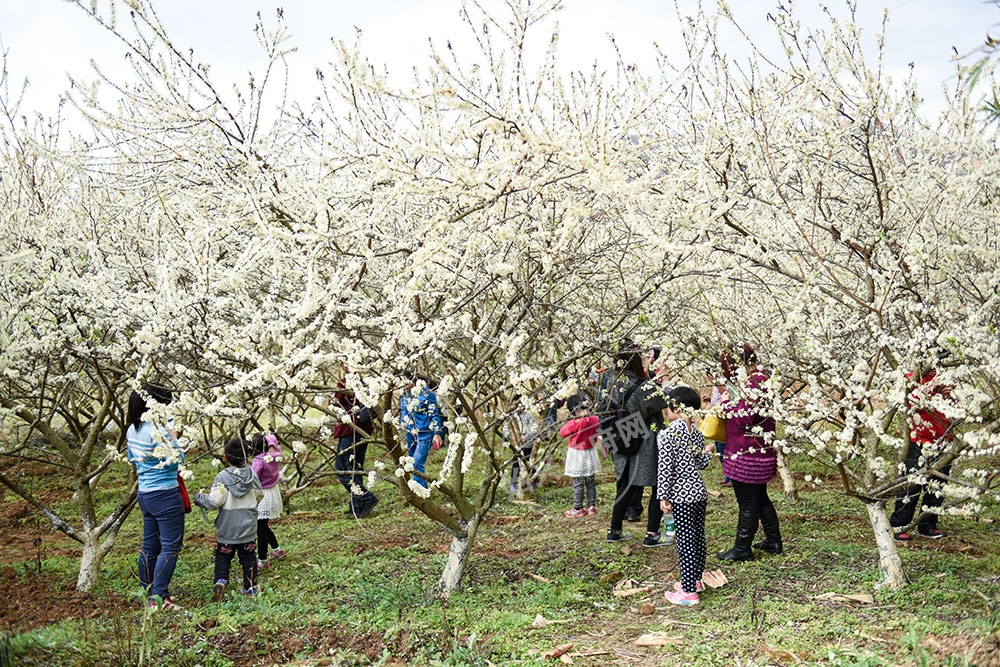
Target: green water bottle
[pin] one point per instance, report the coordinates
(668, 525)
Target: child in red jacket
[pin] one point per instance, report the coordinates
(582, 463)
(930, 431)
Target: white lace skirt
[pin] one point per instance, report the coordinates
(270, 505)
(582, 462)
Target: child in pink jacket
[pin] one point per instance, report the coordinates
(582, 463)
(267, 465)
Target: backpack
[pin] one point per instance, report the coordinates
(621, 432)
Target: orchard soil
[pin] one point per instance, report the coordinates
(362, 593)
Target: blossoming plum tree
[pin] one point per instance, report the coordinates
(494, 227)
(852, 243)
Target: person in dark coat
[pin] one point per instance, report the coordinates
(644, 407)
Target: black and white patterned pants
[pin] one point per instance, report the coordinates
(689, 522)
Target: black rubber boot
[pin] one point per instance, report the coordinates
(746, 527)
(772, 533)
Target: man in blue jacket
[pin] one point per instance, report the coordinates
(420, 418)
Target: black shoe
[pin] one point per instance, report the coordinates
(933, 534)
(366, 508)
(633, 517)
(618, 536)
(656, 541)
(736, 555)
(769, 547)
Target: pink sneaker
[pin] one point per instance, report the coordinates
(681, 598)
(263, 565)
(698, 587)
(277, 554)
(576, 514)
(591, 511)
(168, 603)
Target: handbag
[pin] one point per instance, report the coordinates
(713, 427)
(185, 498)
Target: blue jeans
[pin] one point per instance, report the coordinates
(720, 449)
(162, 539)
(419, 448)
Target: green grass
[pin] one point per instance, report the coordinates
(361, 593)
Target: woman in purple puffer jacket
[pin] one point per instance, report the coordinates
(749, 460)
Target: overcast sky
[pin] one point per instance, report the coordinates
(45, 39)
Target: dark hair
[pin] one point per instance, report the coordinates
(258, 445)
(577, 402)
(236, 452)
(137, 406)
(685, 396)
(733, 355)
(628, 357)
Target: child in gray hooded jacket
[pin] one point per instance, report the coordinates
(235, 493)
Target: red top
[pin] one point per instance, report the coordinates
(928, 424)
(349, 402)
(581, 431)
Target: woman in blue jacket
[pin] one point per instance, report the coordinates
(155, 453)
(420, 418)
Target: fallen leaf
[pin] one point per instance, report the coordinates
(783, 656)
(610, 576)
(627, 587)
(632, 591)
(626, 550)
(837, 597)
(537, 577)
(714, 493)
(863, 598)
(566, 659)
(542, 622)
(658, 639)
(557, 651)
(714, 579)
(647, 609)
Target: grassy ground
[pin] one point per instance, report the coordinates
(353, 593)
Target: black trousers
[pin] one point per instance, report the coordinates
(751, 498)
(624, 495)
(906, 500)
(248, 561)
(265, 538)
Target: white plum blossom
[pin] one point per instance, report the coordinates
(417, 489)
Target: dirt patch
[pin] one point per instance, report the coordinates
(253, 646)
(37, 600)
(980, 651)
(28, 535)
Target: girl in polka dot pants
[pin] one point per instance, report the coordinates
(681, 453)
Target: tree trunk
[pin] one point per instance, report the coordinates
(458, 556)
(90, 562)
(889, 562)
(787, 481)
(94, 550)
(454, 568)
